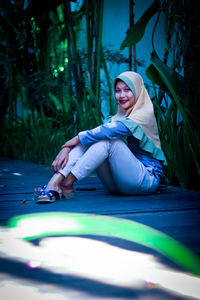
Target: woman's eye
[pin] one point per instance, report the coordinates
(117, 91)
(127, 90)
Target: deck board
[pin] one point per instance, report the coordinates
(173, 211)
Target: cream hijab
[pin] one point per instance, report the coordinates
(142, 111)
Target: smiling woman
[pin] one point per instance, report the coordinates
(124, 96)
(128, 168)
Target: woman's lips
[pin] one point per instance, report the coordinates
(123, 101)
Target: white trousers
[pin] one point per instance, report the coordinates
(117, 167)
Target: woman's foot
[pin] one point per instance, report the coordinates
(39, 189)
(52, 191)
(48, 197)
(55, 183)
(57, 188)
(67, 186)
(67, 192)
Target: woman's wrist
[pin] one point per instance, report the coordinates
(73, 142)
(66, 147)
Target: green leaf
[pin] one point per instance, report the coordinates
(157, 68)
(180, 135)
(136, 32)
(166, 80)
(55, 101)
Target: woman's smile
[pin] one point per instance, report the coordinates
(123, 101)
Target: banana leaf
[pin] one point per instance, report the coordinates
(175, 80)
(181, 138)
(136, 32)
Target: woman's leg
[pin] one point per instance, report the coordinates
(56, 181)
(129, 175)
(74, 155)
(88, 165)
(118, 168)
(105, 175)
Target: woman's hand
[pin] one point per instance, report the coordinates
(61, 159)
(73, 142)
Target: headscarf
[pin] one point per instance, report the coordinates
(142, 113)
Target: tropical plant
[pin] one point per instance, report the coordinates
(50, 82)
(176, 86)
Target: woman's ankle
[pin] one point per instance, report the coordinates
(67, 189)
(55, 182)
(68, 182)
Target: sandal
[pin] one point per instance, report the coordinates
(39, 189)
(48, 197)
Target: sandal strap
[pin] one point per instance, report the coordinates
(43, 188)
(51, 194)
(39, 190)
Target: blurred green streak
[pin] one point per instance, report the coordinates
(80, 224)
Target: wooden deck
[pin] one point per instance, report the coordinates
(172, 211)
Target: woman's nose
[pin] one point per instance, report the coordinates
(122, 94)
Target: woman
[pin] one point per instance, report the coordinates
(131, 167)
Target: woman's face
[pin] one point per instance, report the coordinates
(124, 96)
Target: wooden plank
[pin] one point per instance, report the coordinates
(101, 201)
(173, 211)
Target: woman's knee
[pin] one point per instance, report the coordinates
(100, 146)
(118, 144)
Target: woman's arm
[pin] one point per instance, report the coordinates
(110, 131)
(73, 142)
(113, 130)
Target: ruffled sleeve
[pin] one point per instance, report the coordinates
(145, 143)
